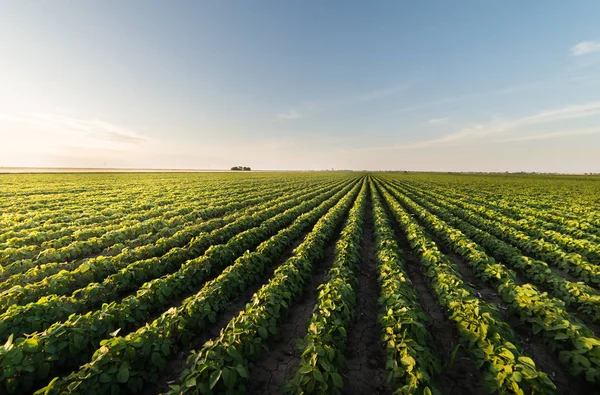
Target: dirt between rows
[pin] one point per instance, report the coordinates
(532, 345)
(364, 371)
(278, 365)
(176, 364)
(364, 368)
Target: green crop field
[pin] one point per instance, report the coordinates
(307, 282)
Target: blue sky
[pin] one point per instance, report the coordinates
(470, 85)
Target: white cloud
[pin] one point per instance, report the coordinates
(53, 139)
(544, 136)
(291, 114)
(481, 131)
(545, 117)
(89, 132)
(324, 105)
(585, 47)
(438, 121)
(469, 96)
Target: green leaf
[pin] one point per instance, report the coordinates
(318, 376)
(507, 354)
(242, 371)
(123, 375)
(337, 380)
(190, 382)
(214, 377)
(407, 360)
(262, 331)
(233, 353)
(527, 361)
(43, 370)
(30, 345)
(9, 343)
(229, 377)
(105, 378)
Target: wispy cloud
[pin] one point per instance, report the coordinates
(585, 79)
(481, 131)
(80, 130)
(290, 114)
(585, 47)
(438, 121)
(468, 96)
(325, 105)
(550, 135)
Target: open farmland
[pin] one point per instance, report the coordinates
(319, 282)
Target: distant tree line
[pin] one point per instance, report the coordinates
(241, 168)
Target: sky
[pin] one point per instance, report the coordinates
(301, 84)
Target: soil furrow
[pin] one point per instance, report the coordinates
(534, 346)
(175, 365)
(460, 374)
(364, 371)
(278, 365)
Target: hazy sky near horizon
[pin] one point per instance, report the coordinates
(439, 85)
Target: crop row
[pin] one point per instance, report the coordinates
(578, 348)
(538, 248)
(588, 250)
(96, 269)
(488, 340)
(40, 315)
(38, 240)
(410, 360)
(26, 257)
(131, 362)
(325, 341)
(582, 296)
(528, 217)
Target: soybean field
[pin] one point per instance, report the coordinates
(299, 283)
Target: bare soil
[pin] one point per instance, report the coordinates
(176, 364)
(364, 371)
(459, 376)
(533, 345)
(275, 367)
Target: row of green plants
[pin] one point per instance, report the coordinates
(37, 244)
(120, 211)
(96, 269)
(56, 235)
(37, 273)
(66, 344)
(549, 215)
(411, 362)
(146, 245)
(487, 339)
(541, 249)
(577, 346)
(585, 298)
(223, 363)
(39, 315)
(550, 225)
(82, 248)
(128, 364)
(39, 213)
(589, 250)
(322, 349)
